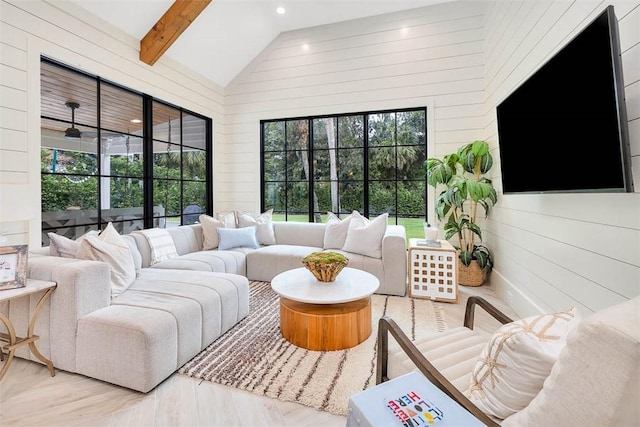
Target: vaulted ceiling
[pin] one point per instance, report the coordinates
(228, 34)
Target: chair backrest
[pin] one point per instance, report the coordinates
(596, 380)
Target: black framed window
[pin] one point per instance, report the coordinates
(111, 154)
(372, 162)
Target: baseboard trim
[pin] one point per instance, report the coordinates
(519, 301)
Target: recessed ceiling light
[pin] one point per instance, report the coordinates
(281, 10)
(136, 121)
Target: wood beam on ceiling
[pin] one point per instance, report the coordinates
(168, 28)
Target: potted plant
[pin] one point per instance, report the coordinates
(461, 174)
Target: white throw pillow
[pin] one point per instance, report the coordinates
(210, 227)
(237, 238)
(516, 361)
(263, 223)
(65, 247)
(364, 237)
(111, 248)
(228, 219)
(335, 232)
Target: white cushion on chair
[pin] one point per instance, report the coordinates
(596, 380)
(512, 367)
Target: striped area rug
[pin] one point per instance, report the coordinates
(253, 356)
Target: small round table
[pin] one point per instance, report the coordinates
(325, 316)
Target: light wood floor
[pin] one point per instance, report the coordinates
(29, 396)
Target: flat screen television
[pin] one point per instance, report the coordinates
(565, 128)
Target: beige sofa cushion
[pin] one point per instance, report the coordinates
(111, 248)
(263, 224)
(336, 230)
(364, 237)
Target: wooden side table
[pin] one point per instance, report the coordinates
(11, 340)
(433, 271)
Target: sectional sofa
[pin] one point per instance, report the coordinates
(174, 308)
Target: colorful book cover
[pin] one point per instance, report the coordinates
(412, 410)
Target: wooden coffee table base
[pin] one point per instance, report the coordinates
(324, 327)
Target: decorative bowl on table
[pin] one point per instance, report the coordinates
(325, 266)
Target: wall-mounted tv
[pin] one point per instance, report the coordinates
(565, 128)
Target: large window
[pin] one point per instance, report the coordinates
(110, 154)
(371, 162)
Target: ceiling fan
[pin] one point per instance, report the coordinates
(72, 132)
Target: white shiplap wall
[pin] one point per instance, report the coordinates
(557, 251)
(67, 33)
(424, 57)
(460, 60)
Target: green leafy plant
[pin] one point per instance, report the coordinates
(461, 174)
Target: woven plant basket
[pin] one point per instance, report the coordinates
(324, 271)
(472, 275)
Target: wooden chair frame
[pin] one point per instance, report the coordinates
(387, 325)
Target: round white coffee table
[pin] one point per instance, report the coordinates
(325, 316)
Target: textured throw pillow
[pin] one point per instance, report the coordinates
(210, 227)
(228, 219)
(364, 237)
(264, 226)
(237, 238)
(64, 247)
(517, 359)
(335, 232)
(111, 248)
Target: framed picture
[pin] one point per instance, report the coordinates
(13, 266)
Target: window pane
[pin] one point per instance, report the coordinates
(381, 129)
(322, 165)
(166, 193)
(351, 196)
(274, 169)
(298, 198)
(194, 131)
(194, 201)
(382, 163)
(411, 127)
(166, 161)
(351, 164)
(382, 197)
(414, 166)
(120, 111)
(194, 165)
(69, 193)
(297, 135)
(412, 198)
(123, 157)
(124, 193)
(274, 136)
(274, 196)
(351, 131)
(59, 86)
(322, 194)
(324, 133)
(297, 166)
(166, 118)
(68, 162)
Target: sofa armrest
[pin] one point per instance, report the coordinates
(394, 260)
(82, 287)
